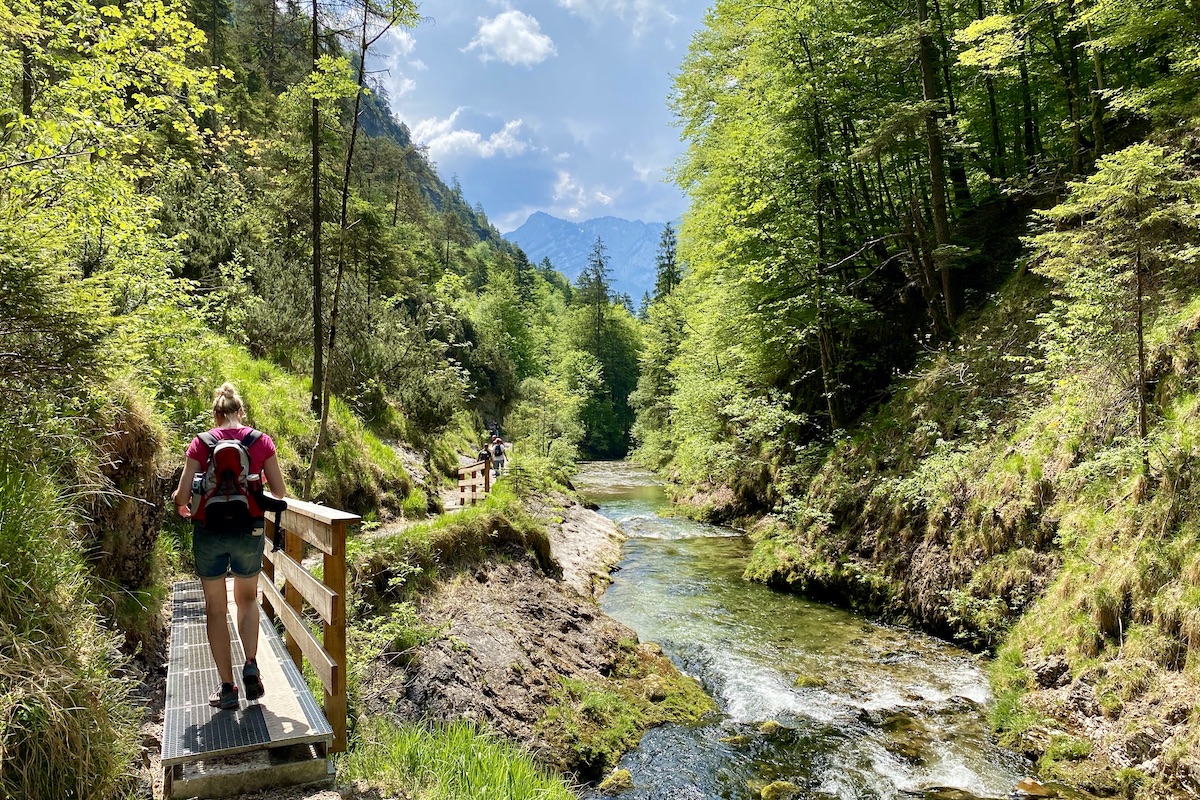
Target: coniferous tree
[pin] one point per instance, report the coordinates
(1116, 234)
(668, 271)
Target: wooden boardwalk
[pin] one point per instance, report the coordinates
(280, 739)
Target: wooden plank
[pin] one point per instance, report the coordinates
(307, 529)
(323, 514)
(315, 524)
(315, 593)
(192, 729)
(298, 632)
(268, 567)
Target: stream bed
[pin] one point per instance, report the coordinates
(809, 695)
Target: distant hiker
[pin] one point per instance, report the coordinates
(498, 456)
(224, 464)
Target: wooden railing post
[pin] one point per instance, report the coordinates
(294, 547)
(335, 637)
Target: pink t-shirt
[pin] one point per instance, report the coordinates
(262, 449)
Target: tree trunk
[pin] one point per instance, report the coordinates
(271, 47)
(343, 228)
(1143, 423)
(213, 23)
(318, 377)
(955, 162)
(933, 141)
(999, 168)
(1068, 65)
(925, 270)
(1097, 101)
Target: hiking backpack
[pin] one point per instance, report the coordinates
(498, 450)
(228, 497)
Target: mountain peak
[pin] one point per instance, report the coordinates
(631, 247)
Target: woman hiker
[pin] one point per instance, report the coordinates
(229, 541)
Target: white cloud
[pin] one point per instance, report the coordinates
(640, 13)
(649, 168)
(512, 37)
(509, 221)
(401, 86)
(581, 131)
(401, 41)
(573, 200)
(443, 138)
(393, 59)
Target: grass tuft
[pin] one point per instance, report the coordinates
(446, 762)
(67, 726)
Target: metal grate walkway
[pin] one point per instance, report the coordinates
(195, 731)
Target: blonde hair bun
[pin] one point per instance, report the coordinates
(226, 402)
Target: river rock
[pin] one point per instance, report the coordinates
(655, 688)
(947, 793)
(772, 728)
(909, 737)
(780, 790)
(809, 681)
(585, 545)
(620, 780)
(505, 646)
(1028, 787)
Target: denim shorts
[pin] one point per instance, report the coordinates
(218, 553)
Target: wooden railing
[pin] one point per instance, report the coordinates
(325, 529)
(471, 479)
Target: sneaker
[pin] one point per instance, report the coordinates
(252, 681)
(224, 696)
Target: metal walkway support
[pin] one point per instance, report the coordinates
(283, 738)
(199, 740)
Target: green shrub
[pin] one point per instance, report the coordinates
(67, 726)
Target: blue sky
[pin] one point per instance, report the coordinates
(546, 105)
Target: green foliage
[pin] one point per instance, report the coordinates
(67, 728)
(445, 763)
(1116, 235)
(392, 568)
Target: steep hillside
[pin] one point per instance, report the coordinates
(378, 120)
(988, 504)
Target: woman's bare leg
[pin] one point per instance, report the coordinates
(216, 603)
(245, 595)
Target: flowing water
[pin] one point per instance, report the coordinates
(855, 710)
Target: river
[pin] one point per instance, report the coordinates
(833, 703)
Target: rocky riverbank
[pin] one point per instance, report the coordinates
(524, 648)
